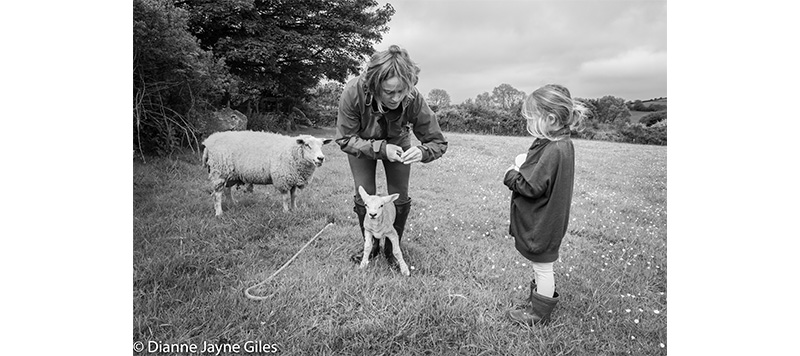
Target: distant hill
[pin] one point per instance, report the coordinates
(636, 115)
(662, 101)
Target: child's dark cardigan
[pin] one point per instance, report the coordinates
(541, 198)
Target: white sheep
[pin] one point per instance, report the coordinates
(379, 224)
(250, 157)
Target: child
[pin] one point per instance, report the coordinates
(542, 193)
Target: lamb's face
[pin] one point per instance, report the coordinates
(312, 148)
(374, 203)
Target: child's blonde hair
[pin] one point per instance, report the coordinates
(393, 62)
(551, 108)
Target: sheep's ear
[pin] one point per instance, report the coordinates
(363, 192)
(391, 198)
(300, 141)
(327, 141)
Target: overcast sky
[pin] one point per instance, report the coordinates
(594, 48)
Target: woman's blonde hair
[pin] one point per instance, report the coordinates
(551, 108)
(393, 62)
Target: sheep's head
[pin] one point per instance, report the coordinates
(312, 148)
(374, 203)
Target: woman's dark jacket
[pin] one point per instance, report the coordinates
(362, 131)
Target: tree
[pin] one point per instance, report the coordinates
(507, 97)
(612, 110)
(281, 49)
(484, 99)
(326, 95)
(438, 98)
(173, 79)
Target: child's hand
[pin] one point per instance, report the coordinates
(520, 159)
(510, 168)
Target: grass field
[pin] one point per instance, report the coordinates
(190, 268)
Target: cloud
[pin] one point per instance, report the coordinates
(631, 63)
(594, 47)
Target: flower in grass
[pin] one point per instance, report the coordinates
(633, 337)
(656, 311)
(627, 310)
(636, 321)
(662, 345)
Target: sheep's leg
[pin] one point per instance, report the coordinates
(228, 196)
(398, 255)
(367, 249)
(286, 197)
(219, 186)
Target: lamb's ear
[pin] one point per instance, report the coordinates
(390, 198)
(363, 193)
(300, 141)
(326, 141)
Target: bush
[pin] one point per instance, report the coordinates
(638, 133)
(481, 119)
(650, 119)
(267, 121)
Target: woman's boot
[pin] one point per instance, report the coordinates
(537, 312)
(399, 226)
(356, 257)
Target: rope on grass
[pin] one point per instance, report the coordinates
(256, 297)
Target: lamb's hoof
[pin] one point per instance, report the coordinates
(404, 270)
(363, 264)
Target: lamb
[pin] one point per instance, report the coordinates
(250, 157)
(379, 223)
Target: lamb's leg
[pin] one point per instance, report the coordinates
(398, 255)
(293, 193)
(367, 249)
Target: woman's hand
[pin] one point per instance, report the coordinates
(413, 155)
(510, 168)
(394, 153)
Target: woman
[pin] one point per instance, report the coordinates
(375, 112)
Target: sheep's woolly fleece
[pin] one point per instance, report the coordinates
(258, 158)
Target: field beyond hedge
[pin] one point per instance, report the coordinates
(191, 268)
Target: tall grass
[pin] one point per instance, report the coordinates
(190, 268)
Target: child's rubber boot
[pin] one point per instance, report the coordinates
(521, 301)
(538, 311)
